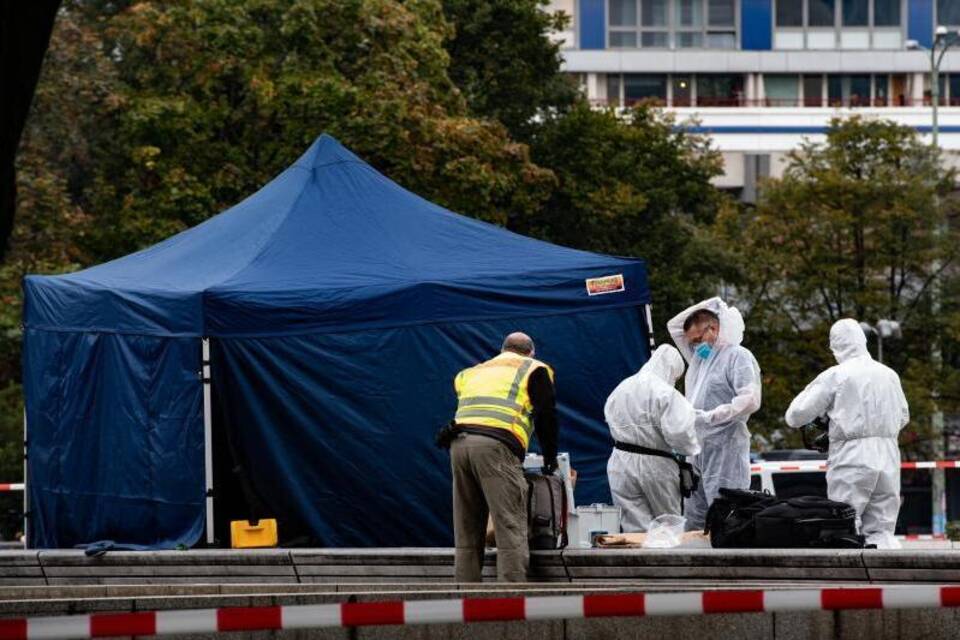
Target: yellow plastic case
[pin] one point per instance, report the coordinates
(247, 535)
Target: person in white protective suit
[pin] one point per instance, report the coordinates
(867, 409)
(646, 410)
(723, 384)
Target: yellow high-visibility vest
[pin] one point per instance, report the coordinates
(494, 394)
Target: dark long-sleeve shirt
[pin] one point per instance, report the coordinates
(543, 398)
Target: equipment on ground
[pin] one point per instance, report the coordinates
(755, 519)
(816, 435)
(546, 511)
(592, 518)
(253, 534)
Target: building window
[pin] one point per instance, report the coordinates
(820, 13)
(719, 90)
(677, 90)
(948, 12)
(886, 13)
(790, 13)
(881, 91)
(813, 91)
(722, 13)
(781, 91)
(638, 87)
(682, 87)
(855, 90)
(844, 24)
(953, 98)
(680, 24)
(856, 13)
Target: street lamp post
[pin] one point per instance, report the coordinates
(884, 329)
(942, 42)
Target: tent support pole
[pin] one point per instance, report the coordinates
(208, 439)
(649, 310)
(26, 494)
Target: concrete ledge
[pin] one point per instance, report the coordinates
(425, 566)
(716, 564)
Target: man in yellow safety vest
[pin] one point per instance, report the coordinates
(499, 401)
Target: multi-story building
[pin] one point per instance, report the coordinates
(759, 76)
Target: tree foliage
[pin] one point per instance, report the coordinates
(220, 96)
(633, 185)
(503, 60)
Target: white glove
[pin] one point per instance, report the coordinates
(702, 419)
(721, 414)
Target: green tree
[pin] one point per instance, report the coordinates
(503, 60)
(219, 96)
(633, 185)
(856, 227)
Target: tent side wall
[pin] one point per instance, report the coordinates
(335, 431)
(115, 447)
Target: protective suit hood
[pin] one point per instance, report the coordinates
(847, 340)
(731, 325)
(665, 363)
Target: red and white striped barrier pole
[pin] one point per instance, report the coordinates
(468, 610)
(793, 466)
(802, 466)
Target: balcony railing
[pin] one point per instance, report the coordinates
(738, 102)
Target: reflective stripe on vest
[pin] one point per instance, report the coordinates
(494, 394)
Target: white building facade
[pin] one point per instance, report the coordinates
(759, 76)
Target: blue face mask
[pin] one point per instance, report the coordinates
(703, 350)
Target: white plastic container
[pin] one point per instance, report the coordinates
(594, 517)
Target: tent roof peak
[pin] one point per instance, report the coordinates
(326, 150)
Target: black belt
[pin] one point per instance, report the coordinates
(644, 451)
(689, 478)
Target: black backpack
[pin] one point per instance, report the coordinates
(546, 511)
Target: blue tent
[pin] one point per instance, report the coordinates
(338, 308)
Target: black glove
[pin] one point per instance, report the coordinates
(549, 466)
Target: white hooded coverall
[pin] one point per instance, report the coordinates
(867, 409)
(646, 410)
(725, 389)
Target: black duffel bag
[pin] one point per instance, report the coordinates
(753, 519)
(730, 519)
(808, 521)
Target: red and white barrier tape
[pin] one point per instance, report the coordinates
(467, 610)
(801, 466)
(789, 467)
(11, 486)
(936, 464)
(923, 536)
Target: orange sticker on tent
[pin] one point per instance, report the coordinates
(605, 284)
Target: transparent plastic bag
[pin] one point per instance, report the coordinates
(665, 532)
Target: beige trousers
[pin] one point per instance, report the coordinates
(488, 478)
